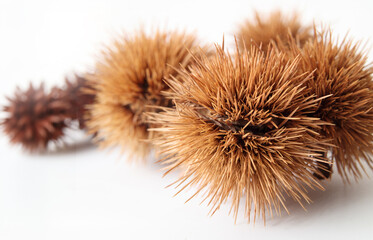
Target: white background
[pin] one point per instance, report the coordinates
(87, 193)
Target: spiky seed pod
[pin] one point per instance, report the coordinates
(35, 117)
(129, 81)
(240, 130)
(275, 29)
(341, 71)
(79, 94)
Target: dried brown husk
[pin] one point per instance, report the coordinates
(342, 72)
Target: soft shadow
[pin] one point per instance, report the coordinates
(336, 197)
(69, 148)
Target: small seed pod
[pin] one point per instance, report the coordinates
(35, 117)
(341, 71)
(129, 81)
(275, 29)
(241, 129)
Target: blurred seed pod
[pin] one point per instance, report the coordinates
(129, 81)
(274, 29)
(79, 94)
(341, 71)
(241, 130)
(35, 117)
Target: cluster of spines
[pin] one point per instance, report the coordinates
(258, 123)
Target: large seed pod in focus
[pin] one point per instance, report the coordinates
(240, 130)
